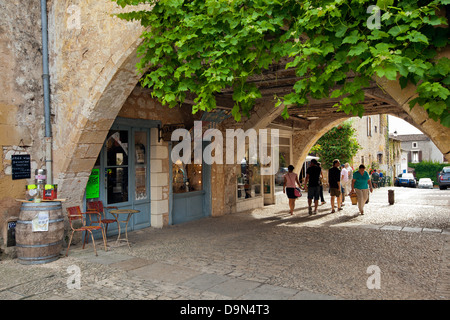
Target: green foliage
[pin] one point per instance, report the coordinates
(338, 143)
(427, 169)
(204, 46)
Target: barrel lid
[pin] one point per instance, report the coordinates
(42, 204)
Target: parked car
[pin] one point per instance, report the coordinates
(444, 178)
(425, 183)
(279, 176)
(406, 180)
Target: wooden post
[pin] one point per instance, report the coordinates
(391, 196)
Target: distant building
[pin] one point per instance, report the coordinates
(397, 161)
(419, 147)
(372, 132)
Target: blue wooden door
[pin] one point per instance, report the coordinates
(124, 179)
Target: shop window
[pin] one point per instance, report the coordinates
(284, 162)
(140, 169)
(249, 180)
(117, 166)
(186, 177)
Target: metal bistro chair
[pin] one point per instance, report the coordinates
(75, 214)
(97, 206)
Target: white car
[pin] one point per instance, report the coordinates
(425, 183)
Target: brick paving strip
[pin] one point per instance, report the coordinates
(443, 286)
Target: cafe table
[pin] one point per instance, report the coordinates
(129, 213)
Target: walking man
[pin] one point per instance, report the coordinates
(350, 177)
(334, 178)
(312, 185)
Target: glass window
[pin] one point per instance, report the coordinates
(186, 177)
(284, 162)
(249, 179)
(117, 166)
(140, 171)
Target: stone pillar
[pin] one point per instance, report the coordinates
(159, 180)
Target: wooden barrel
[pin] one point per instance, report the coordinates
(39, 247)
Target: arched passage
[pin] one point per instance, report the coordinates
(75, 157)
(94, 77)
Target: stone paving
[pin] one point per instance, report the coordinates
(262, 254)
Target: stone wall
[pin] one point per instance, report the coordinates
(372, 141)
(92, 73)
(21, 99)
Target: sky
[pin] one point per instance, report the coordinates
(401, 126)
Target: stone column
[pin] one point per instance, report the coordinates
(159, 180)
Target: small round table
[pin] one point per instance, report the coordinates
(129, 213)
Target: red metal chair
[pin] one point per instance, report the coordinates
(97, 206)
(75, 214)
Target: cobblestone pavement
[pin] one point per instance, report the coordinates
(263, 254)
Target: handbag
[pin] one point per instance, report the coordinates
(297, 191)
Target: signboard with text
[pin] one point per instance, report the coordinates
(21, 166)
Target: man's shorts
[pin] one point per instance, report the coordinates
(314, 193)
(335, 192)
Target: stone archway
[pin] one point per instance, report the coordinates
(75, 158)
(92, 60)
(303, 141)
(95, 73)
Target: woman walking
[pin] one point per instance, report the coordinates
(360, 184)
(290, 179)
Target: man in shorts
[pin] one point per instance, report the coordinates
(334, 179)
(312, 185)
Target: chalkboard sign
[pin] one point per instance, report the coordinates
(21, 166)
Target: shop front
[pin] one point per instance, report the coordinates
(190, 189)
(121, 174)
(273, 184)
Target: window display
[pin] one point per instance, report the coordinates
(186, 177)
(140, 140)
(249, 180)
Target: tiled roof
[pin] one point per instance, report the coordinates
(410, 137)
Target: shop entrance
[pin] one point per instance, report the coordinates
(121, 175)
(191, 190)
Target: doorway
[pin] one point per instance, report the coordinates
(121, 175)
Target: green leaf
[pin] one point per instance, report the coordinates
(352, 38)
(358, 49)
(383, 4)
(416, 36)
(396, 30)
(336, 94)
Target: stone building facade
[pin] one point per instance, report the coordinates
(372, 135)
(96, 101)
(420, 148)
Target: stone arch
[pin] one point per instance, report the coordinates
(303, 141)
(417, 116)
(75, 157)
(92, 64)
